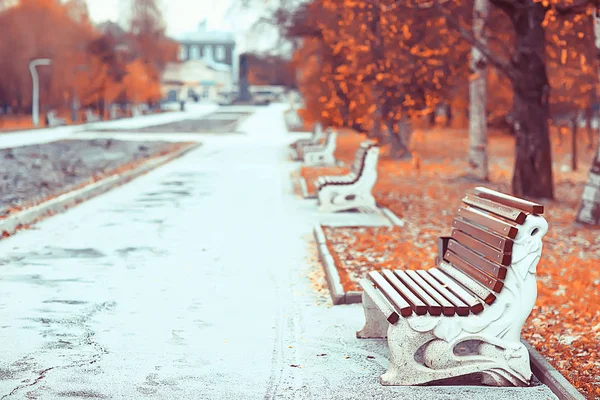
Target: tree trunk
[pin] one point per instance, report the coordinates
(400, 138)
(533, 162)
(478, 159)
(589, 118)
(574, 145)
(589, 211)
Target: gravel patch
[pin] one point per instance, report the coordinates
(33, 174)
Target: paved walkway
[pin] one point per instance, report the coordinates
(188, 283)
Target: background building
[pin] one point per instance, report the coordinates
(205, 68)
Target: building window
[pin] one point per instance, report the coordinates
(195, 53)
(182, 53)
(220, 53)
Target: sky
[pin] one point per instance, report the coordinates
(180, 15)
(185, 15)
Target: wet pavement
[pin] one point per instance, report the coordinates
(190, 282)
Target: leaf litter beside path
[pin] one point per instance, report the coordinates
(425, 192)
(36, 173)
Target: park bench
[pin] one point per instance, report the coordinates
(317, 135)
(463, 318)
(354, 190)
(355, 168)
(320, 154)
(90, 116)
(315, 139)
(52, 119)
(136, 111)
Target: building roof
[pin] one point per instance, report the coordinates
(212, 37)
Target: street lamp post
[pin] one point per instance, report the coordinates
(35, 112)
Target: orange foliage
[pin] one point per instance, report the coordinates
(88, 65)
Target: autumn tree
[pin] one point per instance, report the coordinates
(152, 46)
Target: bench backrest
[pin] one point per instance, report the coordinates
(317, 132)
(359, 157)
(482, 240)
(330, 139)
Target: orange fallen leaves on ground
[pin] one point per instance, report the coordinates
(565, 323)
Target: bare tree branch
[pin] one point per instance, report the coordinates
(492, 58)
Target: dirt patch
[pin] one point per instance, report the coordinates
(217, 122)
(36, 173)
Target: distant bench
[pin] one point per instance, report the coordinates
(90, 116)
(464, 317)
(354, 190)
(320, 154)
(315, 139)
(52, 119)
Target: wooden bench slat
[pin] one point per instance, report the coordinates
(450, 304)
(433, 307)
(493, 269)
(488, 221)
(482, 248)
(417, 305)
(380, 301)
(397, 301)
(465, 280)
(470, 298)
(463, 300)
(502, 210)
(511, 201)
(473, 272)
(501, 243)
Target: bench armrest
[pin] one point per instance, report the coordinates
(442, 247)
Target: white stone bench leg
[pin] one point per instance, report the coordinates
(376, 326)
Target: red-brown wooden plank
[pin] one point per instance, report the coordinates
(392, 295)
(380, 301)
(502, 210)
(475, 273)
(433, 307)
(465, 280)
(493, 269)
(417, 305)
(488, 221)
(501, 243)
(525, 205)
(436, 277)
(442, 295)
(482, 248)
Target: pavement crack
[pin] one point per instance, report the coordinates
(41, 376)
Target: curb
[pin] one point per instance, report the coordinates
(333, 278)
(304, 188)
(13, 223)
(550, 377)
(331, 273)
